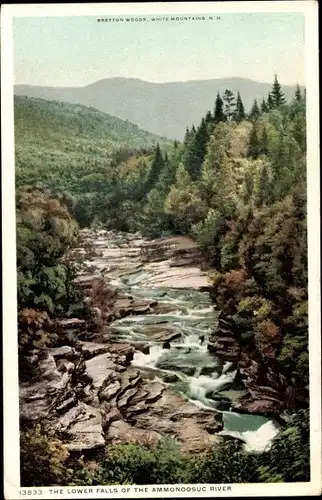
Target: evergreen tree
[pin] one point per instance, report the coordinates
(270, 101)
(219, 115)
(254, 146)
(298, 95)
(264, 106)
(209, 122)
(263, 190)
(155, 169)
(208, 118)
(255, 111)
(277, 94)
(264, 142)
(229, 99)
(196, 151)
(239, 114)
(187, 136)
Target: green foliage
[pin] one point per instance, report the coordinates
(255, 111)
(237, 184)
(227, 463)
(156, 167)
(45, 230)
(138, 464)
(219, 114)
(184, 202)
(254, 144)
(239, 114)
(74, 152)
(42, 458)
(196, 150)
(264, 106)
(229, 98)
(277, 95)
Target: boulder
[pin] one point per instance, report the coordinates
(208, 370)
(170, 378)
(122, 432)
(122, 349)
(155, 391)
(66, 405)
(90, 349)
(71, 323)
(193, 428)
(126, 396)
(83, 423)
(61, 352)
(110, 391)
(99, 369)
(65, 366)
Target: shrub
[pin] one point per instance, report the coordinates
(225, 464)
(267, 338)
(232, 285)
(42, 459)
(137, 464)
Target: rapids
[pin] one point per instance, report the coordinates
(184, 363)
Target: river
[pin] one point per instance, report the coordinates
(188, 314)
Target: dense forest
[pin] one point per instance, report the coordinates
(237, 186)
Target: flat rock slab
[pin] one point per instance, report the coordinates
(173, 415)
(60, 352)
(99, 369)
(110, 391)
(122, 432)
(84, 426)
(36, 397)
(91, 349)
(122, 349)
(71, 322)
(176, 242)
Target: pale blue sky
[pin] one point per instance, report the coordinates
(75, 51)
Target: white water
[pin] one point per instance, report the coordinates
(255, 441)
(188, 356)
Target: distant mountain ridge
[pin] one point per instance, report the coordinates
(164, 109)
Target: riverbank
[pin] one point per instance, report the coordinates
(137, 368)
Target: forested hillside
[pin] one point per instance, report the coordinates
(237, 186)
(71, 150)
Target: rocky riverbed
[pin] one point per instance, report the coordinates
(138, 367)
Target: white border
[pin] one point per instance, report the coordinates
(11, 420)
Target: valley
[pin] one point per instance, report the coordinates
(162, 290)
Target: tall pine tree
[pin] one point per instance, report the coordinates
(298, 95)
(229, 99)
(277, 94)
(264, 106)
(239, 114)
(219, 115)
(254, 146)
(196, 151)
(208, 117)
(264, 142)
(255, 111)
(270, 101)
(155, 169)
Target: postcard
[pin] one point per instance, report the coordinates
(161, 250)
